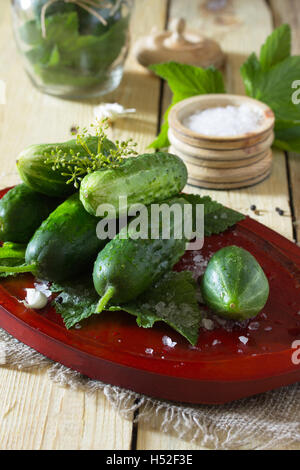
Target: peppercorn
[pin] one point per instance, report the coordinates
(253, 207)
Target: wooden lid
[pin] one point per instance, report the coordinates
(180, 46)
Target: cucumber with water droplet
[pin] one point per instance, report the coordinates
(146, 179)
(22, 211)
(43, 177)
(64, 246)
(234, 285)
(126, 267)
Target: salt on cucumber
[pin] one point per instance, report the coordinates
(145, 179)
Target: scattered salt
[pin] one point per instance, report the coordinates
(149, 351)
(208, 324)
(43, 287)
(243, 339)
(225, 121)
(215, 342)
(254, 326)
(167, 341)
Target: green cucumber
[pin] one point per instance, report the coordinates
(64, 246)
(145, 179)
(41, 177)
(22, 211)
(126, 267)
(66, 243)
(234, 285)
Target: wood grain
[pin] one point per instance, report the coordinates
(34, 412)
(289, 12)
(241, 27)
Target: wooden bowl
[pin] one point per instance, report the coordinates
(222, 162)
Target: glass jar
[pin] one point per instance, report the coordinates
(73, 48)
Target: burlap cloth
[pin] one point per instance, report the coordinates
(267, 421)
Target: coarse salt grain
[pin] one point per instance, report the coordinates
(243, 339)
(225, 121)
(208, 324)
(149, 351)
(167, 341)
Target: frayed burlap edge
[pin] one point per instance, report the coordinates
(267, 421)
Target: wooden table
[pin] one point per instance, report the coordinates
(34, 412)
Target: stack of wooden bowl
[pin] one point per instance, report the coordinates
(222, 162)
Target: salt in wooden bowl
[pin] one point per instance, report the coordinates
(222, 162)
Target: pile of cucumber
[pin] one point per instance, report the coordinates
(61, 234)
(57, 224)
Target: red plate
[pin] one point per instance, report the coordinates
(221, 368)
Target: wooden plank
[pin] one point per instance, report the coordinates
(241, 28)
(34, 412)
(289, 12)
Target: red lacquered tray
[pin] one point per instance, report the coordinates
(221, 368)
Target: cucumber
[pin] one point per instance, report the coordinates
(65, 244)
(22, 211)
(234, 285)
(145, 179)
(126, 267)
(42, 177)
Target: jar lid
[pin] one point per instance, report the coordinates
(178, 45)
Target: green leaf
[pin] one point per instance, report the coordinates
(275, 89)
(62, 29)
(12, 255)
(276, 48)
(288, 139)
(271, 80)
(171, 300)
(30, 33)
(54, 57)
(185, 81)
(251, 74)
(162, 139)
(65, 57)
(77, 300)
(217, 218)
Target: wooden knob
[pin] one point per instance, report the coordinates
(177, 38)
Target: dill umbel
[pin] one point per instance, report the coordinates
(75, 165)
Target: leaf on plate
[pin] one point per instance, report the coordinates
(217, 218)
(77, 300)
(172, 300)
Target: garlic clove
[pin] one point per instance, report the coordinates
(35, 299)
